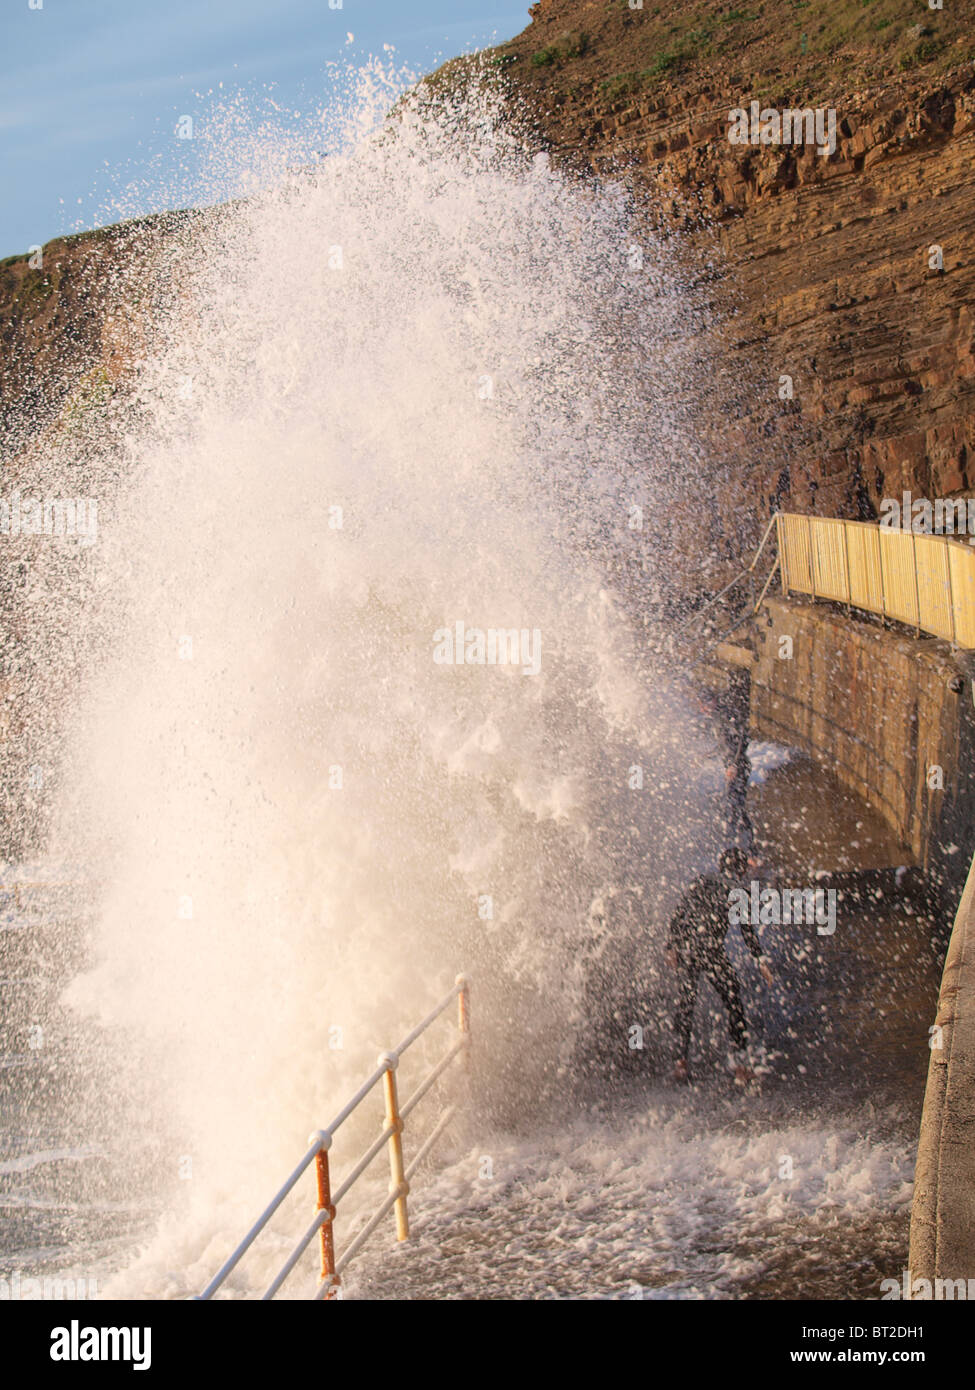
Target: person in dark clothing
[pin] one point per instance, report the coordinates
(696, 946)
(737, 824)
(729, 711)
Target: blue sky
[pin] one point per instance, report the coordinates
(91, 90)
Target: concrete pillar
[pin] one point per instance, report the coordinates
(943, 1213)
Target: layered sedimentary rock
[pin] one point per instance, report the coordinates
(845, 278)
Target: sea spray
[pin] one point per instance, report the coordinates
(420, 379)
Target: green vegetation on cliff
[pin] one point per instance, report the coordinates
(814, 48)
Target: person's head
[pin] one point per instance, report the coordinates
(733, 863)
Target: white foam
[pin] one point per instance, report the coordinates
(445, 340)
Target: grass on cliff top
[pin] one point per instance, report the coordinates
(105, 236)
(58, 245)
(808, 45)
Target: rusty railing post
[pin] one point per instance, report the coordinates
(394, 1123)
(327, 1233)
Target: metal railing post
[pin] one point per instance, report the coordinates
(319, 1144)
(917, 586)
(398, 1185)
(327, 1234)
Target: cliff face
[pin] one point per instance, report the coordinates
(72, 317)
(829, 269)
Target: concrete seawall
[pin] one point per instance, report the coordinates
(893, 716)
(943, 1213)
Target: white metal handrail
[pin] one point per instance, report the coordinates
(392, 1132)
(751, 607)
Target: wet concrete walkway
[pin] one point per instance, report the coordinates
(863, 999)
(676, 1193)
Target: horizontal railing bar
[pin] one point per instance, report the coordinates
(768, 532)
(712, 600)
(396, 1052)
(772, 573)
(737, 580)
(367, 1231)
(437, 1072)
(363, 1236)
(376, 1148)
(323, 1139)
(294, 1257)
(356, 1100)
(411, 1038)
(259, 1224)
(362, 1165)
(431, 1139)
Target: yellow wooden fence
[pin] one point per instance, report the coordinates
(925, 581)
